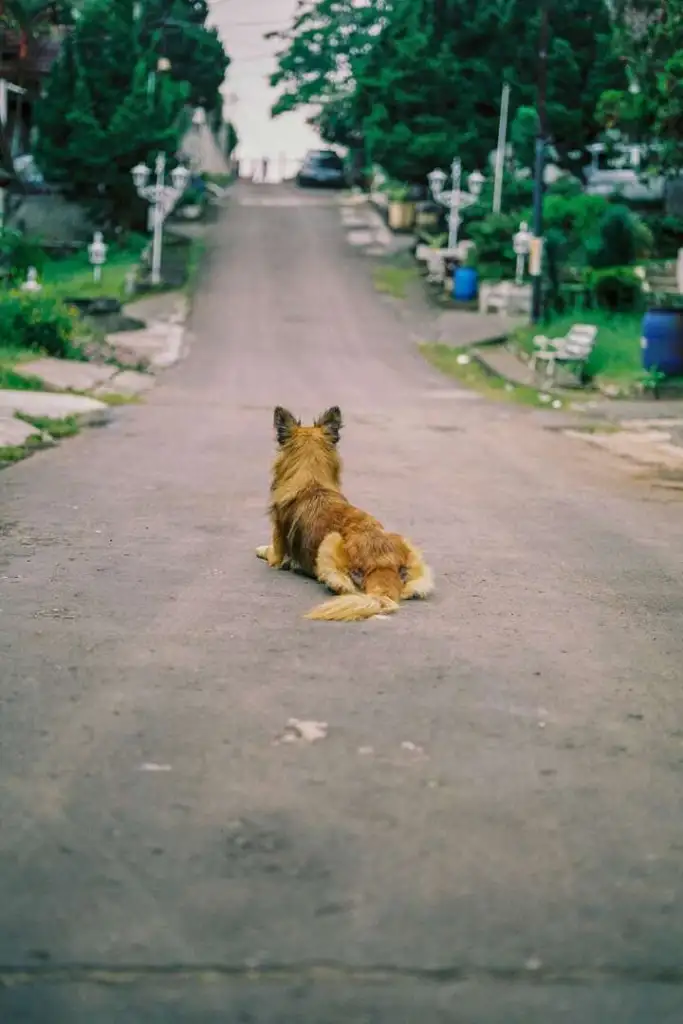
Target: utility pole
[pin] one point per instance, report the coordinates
(536, 253)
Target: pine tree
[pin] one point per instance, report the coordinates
(99, 118)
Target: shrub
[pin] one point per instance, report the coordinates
(667, 235)
(615, 244)
(492, 236)
(39, 322)
(617, 289)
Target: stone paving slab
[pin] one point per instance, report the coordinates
(127, 383)
(158, 347)
(88, 411)
(66, 374)
(162, 306)
(647, 447)
(14, 433)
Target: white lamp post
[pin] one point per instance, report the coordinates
(475, 183)
(436, 180)
(521, 242)
(162, 198)
(97, 254)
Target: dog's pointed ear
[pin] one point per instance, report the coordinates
(331, 422)
(284, 424)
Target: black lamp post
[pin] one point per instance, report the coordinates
(536, 260)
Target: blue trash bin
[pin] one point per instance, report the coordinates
(465, 284)
(662, 341)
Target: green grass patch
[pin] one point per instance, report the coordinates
(194, 264)
(473, 375)
(113, 399)
(73, 277)
(66, 427)
(617, 353)
(10, 358)
(394, 281)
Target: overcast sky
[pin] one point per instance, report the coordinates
(242, 24)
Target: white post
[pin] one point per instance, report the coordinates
(454, 219)
(157, 239)
(500, 151)
(519, 275)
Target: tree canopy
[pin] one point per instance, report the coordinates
(420, 80)
(177, 30)
(109, 103)
(99, 117)
(649, 39)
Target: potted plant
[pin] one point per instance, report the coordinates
(401, 210)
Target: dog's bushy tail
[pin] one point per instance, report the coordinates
(352, 608)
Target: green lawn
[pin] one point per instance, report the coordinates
(73, 277)
(9, 358)
(451, 361)
(617, 352)
(394, 281)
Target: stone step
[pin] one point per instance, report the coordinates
(50, 405)
(157, 348)
(16, 433)
(66, 374)
(127, 384)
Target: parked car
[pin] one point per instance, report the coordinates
(322, 167)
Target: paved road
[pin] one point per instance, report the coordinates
(492, 831)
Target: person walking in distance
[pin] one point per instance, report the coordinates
(264, 169)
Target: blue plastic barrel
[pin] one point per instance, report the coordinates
(465, 284)
(662, 341)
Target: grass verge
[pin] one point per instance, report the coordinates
(113, 399)
(394, 281)
(194, 264)
(451, 361)
(56, 428)
(73, 277)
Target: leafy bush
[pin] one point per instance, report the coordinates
(574, 217)
(617, 289)
(615, 244)
(667, 235)
(492, 236)
(39, 322)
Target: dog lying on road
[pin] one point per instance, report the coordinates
(317, 531)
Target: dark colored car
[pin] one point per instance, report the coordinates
(322, 167)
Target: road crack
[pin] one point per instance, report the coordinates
(335, 973)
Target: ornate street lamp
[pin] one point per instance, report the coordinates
(162, 198)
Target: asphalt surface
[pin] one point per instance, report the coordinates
(492, 830)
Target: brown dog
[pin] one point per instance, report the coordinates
(317, 531)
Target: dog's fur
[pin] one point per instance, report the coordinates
(317, 531)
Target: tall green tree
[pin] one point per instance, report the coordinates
(177, 30)
(420, 80)
(649, 40)
(430, 88)
(99, 117)
(319, 60)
